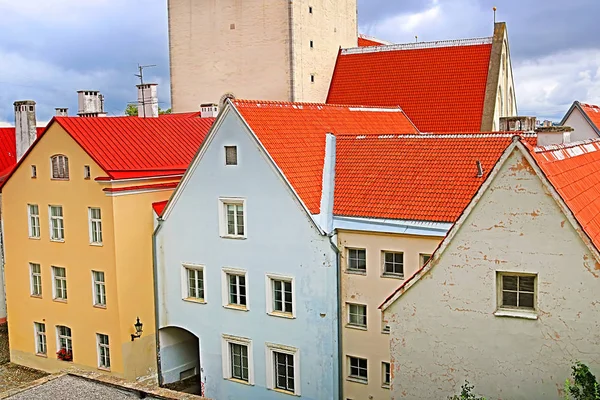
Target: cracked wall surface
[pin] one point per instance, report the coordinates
(443, 330)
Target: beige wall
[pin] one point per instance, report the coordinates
(372, 289)
(445, 329)
(506, 102)
(252, 61)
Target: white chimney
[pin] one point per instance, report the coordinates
(553, 135)
(62, 112)
(148, 100)
(90, 103)
(209, 110)
(25, 126)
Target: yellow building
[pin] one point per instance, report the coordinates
(78, 224)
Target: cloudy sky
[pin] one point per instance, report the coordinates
(51, 48)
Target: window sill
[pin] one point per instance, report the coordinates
(393, 276)
(284, 392)
(237, 237)
(357, 327)
(356, 272)
(104, 369)
(34, 237)
(60, 179)
(67, 361)
(60, 300)
(240, 381)
(384, 332)
(35, 296)
(194, 300)
(235, 307)
(100, 306)
(281, 315)
(97, 244)
(385, 386)
(516, 314)
(57, 240)
(362, 381)
(41, 355)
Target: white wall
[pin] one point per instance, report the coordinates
(582, 129)
(444, 329)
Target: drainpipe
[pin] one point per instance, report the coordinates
(339, 309)
(291, 22)
(156, 312)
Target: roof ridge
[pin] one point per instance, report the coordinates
(351, 107)
(348, 136)
(419, 45)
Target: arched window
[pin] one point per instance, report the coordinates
(500, 102)
(60, 166)
(510, 102)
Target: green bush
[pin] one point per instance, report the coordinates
(584, 385)
(466, 393)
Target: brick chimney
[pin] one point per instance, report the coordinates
(547, 135)
(148, 100)
(25, 126)
(90, 103)
(525, 124)
(62, 112)
(209, 110)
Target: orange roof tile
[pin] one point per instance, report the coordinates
(440, 85)
(592, 112)
(413, 177)
(294, 136)
(574, 171)
(366, 41)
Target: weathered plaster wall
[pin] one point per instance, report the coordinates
(372, 289)
(280, 239)
(444, 329)
(581, 127)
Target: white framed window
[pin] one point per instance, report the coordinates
(59, 283)
(357, 369)
(357, 315)
(231, 157)
(95, 225)
(36, 279)
(64, 343)
(423, 258)
(99, 286)
(393, 264)
(41, 347)
(103, 351)
(517, 291)
(57, 226)
(234, 288)
(33, 171)
(60, 167)
(87, 173)
(232, 218)
(33, 214)
(283, 368)
(193, 287)
(281, 298)
(385, 375)
(237, 354)
(357, 260)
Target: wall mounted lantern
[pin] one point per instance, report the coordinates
(138, 330)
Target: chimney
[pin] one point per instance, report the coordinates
(90, 103)
(525, 124)
(209, 110)
(547, 135)
(25, 126)
(62, 112)
(148, 100)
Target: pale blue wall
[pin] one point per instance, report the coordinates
(281, 239)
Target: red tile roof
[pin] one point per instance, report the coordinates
(192, 114)
(593, 113)
(413, 177)
(366, 41)
(154, 186)
(294, 136)
(440, 85)
(159, 207)
(574, 171)
(8, 149)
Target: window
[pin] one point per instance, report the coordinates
(234, 288)
(59, 276)
(393, 264)
(357, 315)
(233, 218)
(95, 217)
(34, 221)
(40, 339)
(424, 258)
(231, 155)
(194, 282)
(103, 351)
(86, 172)
(283, 368)
(36, 279)
(99, 288)
(312, 78)
(357, 260)
(517, 291)
(385, 375)
(60, 167)
(310, 10)
(237, 359)
(281, 301)
(64, 344)
(357, 369)
(312, 44)
(33, 171)
(57, 227)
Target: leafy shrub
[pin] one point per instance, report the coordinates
(584, 385)
(466, 393)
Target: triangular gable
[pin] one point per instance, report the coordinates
(577, 106)
(433, 261)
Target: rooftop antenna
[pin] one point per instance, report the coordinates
(495, 9)
(141, 76)
(416, 39)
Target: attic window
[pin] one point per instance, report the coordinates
(86, 172)
(312, 78)
(312, 44)
(231, 155)
(310, 10)
(33, 171)
(60, 167)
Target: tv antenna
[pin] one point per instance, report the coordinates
(141, 76)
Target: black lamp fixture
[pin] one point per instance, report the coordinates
(138, 330)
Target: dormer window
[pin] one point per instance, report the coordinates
(60, 167)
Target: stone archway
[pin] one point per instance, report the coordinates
(179, 358)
